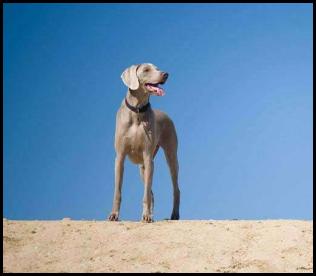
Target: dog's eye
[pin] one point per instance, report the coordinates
(146, 70)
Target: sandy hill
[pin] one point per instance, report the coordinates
(163, 246)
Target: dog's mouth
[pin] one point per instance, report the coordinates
(155, 88)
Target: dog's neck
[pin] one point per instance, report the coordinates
(137, 98)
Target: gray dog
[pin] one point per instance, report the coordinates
(140, 131)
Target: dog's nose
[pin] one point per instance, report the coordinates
(165, 75)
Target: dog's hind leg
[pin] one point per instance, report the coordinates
(169, 144)
(172, 160)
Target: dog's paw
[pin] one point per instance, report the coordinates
(113, 217)
(147, 218)
(175, 216)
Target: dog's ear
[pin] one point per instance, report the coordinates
(130, 78)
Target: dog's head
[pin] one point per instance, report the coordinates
(145, 76)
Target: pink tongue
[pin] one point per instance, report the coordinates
(157, 90)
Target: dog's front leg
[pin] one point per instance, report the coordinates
(119, 170)
(148, 176)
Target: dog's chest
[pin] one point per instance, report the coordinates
(139, 135)
(138, 139)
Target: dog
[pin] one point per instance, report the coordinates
(140, 132)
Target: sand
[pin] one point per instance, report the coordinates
(163, 246)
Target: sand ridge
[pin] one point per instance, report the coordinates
(162, 246)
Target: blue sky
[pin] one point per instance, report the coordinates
(239, 93)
